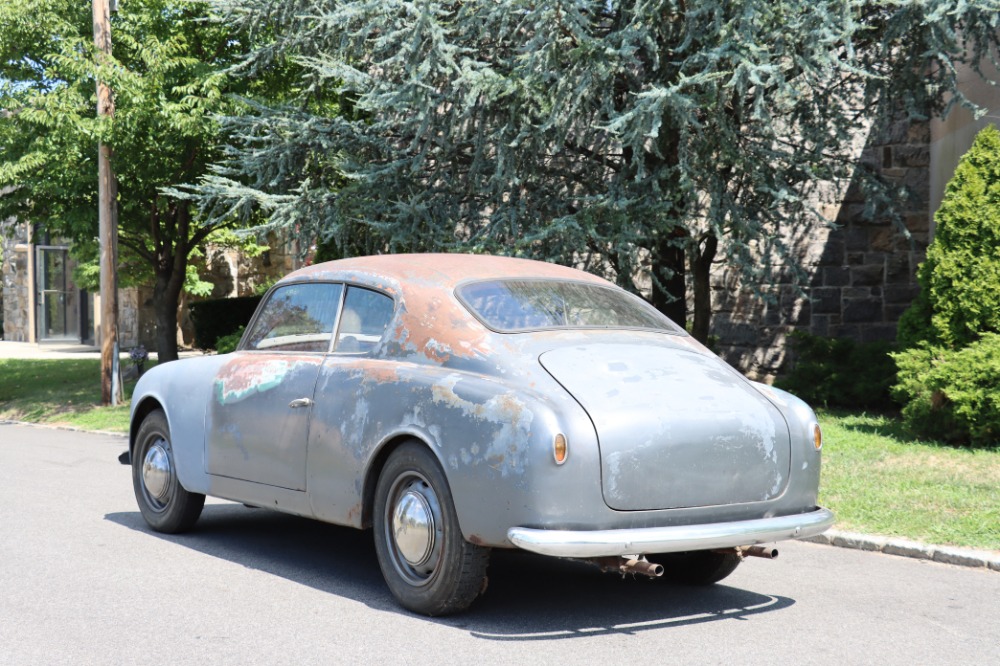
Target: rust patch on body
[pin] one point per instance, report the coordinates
(245, 376)
(431, 321)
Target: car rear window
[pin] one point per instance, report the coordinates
(522, 305)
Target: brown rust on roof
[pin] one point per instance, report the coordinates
(442, 270)
(431, 321)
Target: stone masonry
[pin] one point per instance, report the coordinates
(861, 273)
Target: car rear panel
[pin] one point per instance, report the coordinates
(676, 428)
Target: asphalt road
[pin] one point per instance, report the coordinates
(83, 581)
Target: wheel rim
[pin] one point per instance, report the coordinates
(157, 474)
(414, 528)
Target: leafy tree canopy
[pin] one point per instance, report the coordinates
(620, 137)
(168, 80)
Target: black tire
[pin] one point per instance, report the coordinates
(164, 503)
(700, 567)
(430, 568)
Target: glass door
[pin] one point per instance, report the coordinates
(58, 315)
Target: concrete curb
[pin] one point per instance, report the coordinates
(63, 427)
(963, 557)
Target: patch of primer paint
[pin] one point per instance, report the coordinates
(240, 381)
(506, 452)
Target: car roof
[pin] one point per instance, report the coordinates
(436, 270)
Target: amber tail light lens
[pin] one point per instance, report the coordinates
(560, 449)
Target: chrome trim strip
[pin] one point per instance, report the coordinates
(602, 543)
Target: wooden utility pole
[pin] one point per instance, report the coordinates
(111, 386)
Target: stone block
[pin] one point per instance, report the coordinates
(919, 221)
(858, 541)
(862, 310)
(887, 240)
(856, 239)
(836, 276)
(857, 292)
(852, 331)
(855, 258)
(959, 556)
(897, 269)
(905, 548)
(901, 293)
(878, 333)
(911, 155)
(867, 275)
(833, 253)
(825, 300)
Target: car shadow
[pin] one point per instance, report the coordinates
(530, 597)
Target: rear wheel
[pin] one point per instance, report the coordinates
(429, 567)
(163, 502)
(699, 567)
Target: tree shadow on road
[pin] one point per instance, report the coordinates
(530, 597)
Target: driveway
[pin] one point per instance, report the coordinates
(83, 581)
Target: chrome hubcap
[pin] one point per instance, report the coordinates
(413, 527)
(156, 472)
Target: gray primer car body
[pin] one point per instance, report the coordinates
(662, 434)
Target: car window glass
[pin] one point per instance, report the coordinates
(519, 305)
(365, 318)
(299, 317)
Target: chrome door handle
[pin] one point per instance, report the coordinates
(300, 402)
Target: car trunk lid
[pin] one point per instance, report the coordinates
(675, 428)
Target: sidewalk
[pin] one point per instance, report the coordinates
(64, 350)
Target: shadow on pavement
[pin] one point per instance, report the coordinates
(530, 597)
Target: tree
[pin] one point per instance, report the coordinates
(638, 140)
(960, 280)
(168, 81)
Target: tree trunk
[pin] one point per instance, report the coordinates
(703, 254)
(668, 294)
(166, 294)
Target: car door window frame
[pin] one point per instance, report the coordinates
(340, 316)
(245, 340)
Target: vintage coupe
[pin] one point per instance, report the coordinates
(460, 403)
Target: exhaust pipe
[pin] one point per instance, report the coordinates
(628, 565)
(767, 552)
(642, 566)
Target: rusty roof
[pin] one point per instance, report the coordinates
(443, 270)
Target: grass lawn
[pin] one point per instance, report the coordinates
(63, 392)
(878, 480)
(875, 477)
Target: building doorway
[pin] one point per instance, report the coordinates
(58, 305)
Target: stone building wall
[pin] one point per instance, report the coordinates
(15, 283)
(861, 273)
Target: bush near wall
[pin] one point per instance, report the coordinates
(953, 394)
(838, 372)
(949, 373)
(217, 318)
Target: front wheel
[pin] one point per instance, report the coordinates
(163, 502)
(427, 564)
(700, 567)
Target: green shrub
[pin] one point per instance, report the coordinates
(229, 343)
(216, 318)
(838, 372)
(960, 280)
(950, 394)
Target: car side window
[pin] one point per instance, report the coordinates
(298, 317)
(365, 318)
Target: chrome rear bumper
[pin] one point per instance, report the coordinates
(641, 541)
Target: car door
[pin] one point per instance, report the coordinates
(355, 394)
(258, 420)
